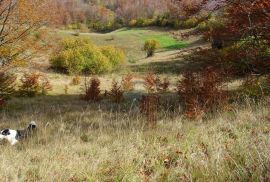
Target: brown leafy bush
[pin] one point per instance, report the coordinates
(92, 90)
(34, 84)
(45, 85)
(116, 93)
(152, 83)
(149, 106)
(163, 85)
(127, 83)
(202, 93)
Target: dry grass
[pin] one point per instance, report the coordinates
(79, 142)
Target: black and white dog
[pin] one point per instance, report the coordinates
(13, 136)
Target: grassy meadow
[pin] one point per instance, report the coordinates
(131, 40)
(77, 141)
(80, 141)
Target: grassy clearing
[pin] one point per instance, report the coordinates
(77, 142)
(132, 40)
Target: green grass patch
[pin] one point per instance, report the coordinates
(165, 39)
(167, 42)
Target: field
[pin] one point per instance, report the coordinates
(79, 141)
(132, 40)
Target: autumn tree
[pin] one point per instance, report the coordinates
(19, 21)
(20, 36)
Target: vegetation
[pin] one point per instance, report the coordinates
(150, 46)
(80, 56)
(7, 83)
(92, 90)
(195, 114)
(34, 84)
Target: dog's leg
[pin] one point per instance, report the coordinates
(13, 142)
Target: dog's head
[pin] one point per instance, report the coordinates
(32, 125)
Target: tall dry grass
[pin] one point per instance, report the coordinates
(78, 141)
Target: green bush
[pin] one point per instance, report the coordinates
(190, 23)
(150, 47)
(79, 55)
(132, 23)
(95, 61)
(116, 56)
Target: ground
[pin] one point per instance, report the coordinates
(79, 141)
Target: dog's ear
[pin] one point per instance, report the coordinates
(5, 132)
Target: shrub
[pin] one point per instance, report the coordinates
(150, 46)
(78, 55)
(190, 23)
(163, 85)
(95, 61)
(76, 80)
(115, 55)
(150, 82)
(132, 23)
(202, 93)
(45, 85)
(116, 93)
(255, 87)
(149, 106)
(153, 83)
(34, 84)
(127, 83)
(92, 90)
(7, 84)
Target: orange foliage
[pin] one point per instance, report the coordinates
(202, 93)
(34, 84)
(152, 83)
(127, 83)
(18, 21)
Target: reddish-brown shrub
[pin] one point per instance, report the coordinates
(116, 93)
(150, 82)
(92, 90)
(163, 85)
(127, 83)
(34, 84)
(149, 106)
(202, 93)
(45, 85)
